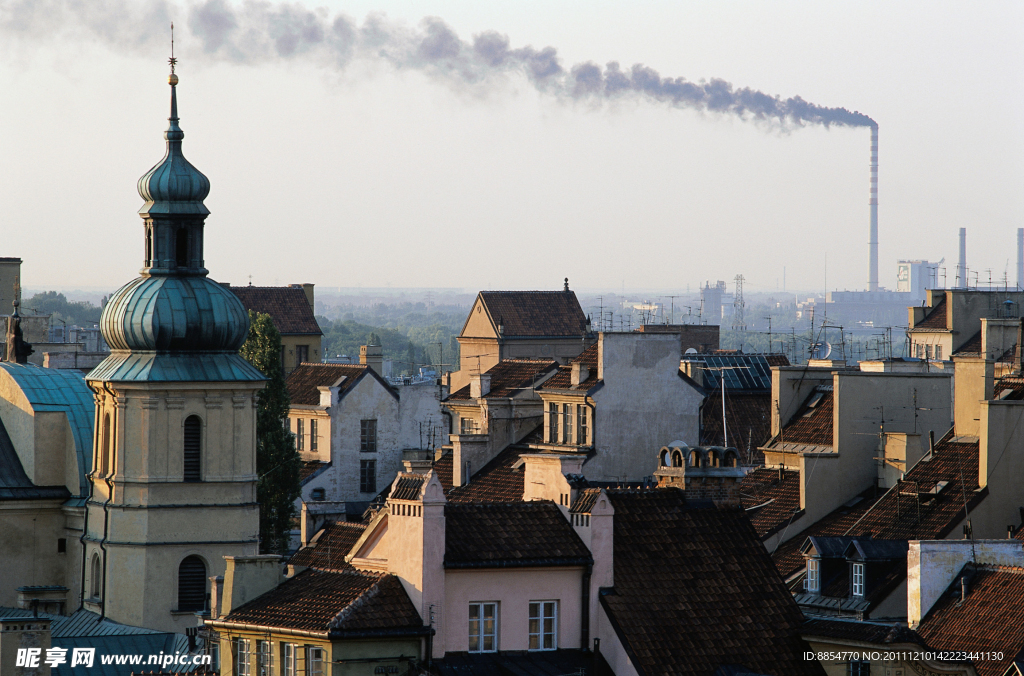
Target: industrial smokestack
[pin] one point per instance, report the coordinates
(873, 201)
(961, 268)
(1020, 258)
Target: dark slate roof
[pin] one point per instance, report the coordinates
(329, 547)
(747, 372)
(695, 590)
(865, 632)
(971, 347)
(748, 415)
(333, 602)
(776, 359)
(563, 379)
(936, 317)
(307, 377)
(829, 547)
(495, 482)
(82, 623)
(521, 663)
(286, 305)
(812, 423)
(509, 377)
(871, 549)
(780, 497)
(990, 618)
(535, 314)
(512, 534)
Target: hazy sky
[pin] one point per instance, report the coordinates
(439, 164)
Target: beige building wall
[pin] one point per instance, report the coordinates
(312, 343)
(1000, 468)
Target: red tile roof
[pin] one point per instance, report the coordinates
(748, 416)
(936, 317)
(328, 548)
(1013, 384)
(780, 497)
(989, 619)
(775, 359)
(303, 381)
(495, 482)
(510, 377)
(855, 630)
(812, 423)
(286, 305)
(695, 590)
(563, 379)
(311, 469)
(535, 314)
(971, 347)
(511, 534)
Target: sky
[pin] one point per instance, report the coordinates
(437, 143)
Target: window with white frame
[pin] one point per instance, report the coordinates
(313, 435)
(553, 423)
(483, 627)
(264, 658)
(858, 579)
(567, 424)
(543, 625)
(289, 659)
(581, 424)
(242, 665)
(938, 352)
(314, 661)
(812, 582)
(300, 436)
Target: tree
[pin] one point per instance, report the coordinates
(277, 461)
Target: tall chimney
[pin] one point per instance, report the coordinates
(1020, 258)
(961, 268)
(873, 201)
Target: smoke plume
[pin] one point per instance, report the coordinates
(259, 32)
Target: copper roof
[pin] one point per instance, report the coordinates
(307, 377)
(329, 547)
(990, 618)
(286, 305)
(778, 492)
(936, 317)
(695, 590)
(510, 377)
(511, 534)
(535, 314)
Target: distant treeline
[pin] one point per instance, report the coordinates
(80, 313)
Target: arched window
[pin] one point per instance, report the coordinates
(97, 575)
(695, 458)
(149, 245)
(677, 458)
(104, 454)
(193, 448)
(713, 458)
(731, 459)
(181, 248)
(192, 584)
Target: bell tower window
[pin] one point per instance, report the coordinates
(193, 448)
(192, 584)
(149, 245)
(181, 248)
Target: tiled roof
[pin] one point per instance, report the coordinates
(530, 314)
(286, 305)
(509, 377)
(495, 482)
(936, 318)
(585, 500)
(563, 379)
(82, 623)
(865, 632)
(812, 423)
(321, 601)
(989, 619)
(311, 469)
(307, 377)
(522, 663)
(510, 534)
(919, 508)
(695, 590)
(328, 548)
(775, 359)
(971, 347)
(780, 497)
(409, 487)
(1012, 385)
(748, 415)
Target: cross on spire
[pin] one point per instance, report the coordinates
(172, 60)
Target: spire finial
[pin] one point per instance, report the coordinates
(172, 79)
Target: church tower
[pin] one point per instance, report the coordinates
(173, 487)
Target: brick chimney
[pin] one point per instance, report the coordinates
(705, 473)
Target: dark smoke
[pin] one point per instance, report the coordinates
(257, 32)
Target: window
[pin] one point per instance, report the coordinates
(368, 436)
(858, 579)
(62, 545)
(859, 668)
(300, 434)
(314, 661)
(97, 576)
(567, 425)
(581, 424)
(193, 448)
(289, 659)
(301, 354)
(192, 584)
(543, 625)
(242, 667)
(938, 352)
(920, 350)
(367, 476)
(811, 581)
(312, 435)
(928, 351)
(483, 627)
(467, 425)
(318, 494)
(264, 658)
(552, 423)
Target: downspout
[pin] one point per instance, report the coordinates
(585, 615)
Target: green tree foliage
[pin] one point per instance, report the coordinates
(277, 461)
(80, 313)
(409, 346)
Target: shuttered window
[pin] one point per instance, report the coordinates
(192, 584)
(193, 445)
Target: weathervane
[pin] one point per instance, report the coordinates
(172, 60)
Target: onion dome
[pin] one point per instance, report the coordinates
(174, 186)
(171, 314)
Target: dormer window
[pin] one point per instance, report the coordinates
(858, 579)
(812, 582)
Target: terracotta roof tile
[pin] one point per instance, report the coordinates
(310, 469)
(748, 416)
(531, 314)
(495, 482)
(409, 487)
(812, 423)
(328, 548)
(780, 497)
(971, 347)
(510, 377)
(936, 318)
(990, 618)
(695, 590)
(585, 500)
(1012, 385)
(563, 379)
(307, 377)
(510, 534)
(775, 359)
(286, 305)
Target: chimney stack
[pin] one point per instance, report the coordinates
(961, 268)
(873, 201)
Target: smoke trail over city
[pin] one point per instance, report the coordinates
(253, 33)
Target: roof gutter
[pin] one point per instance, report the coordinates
(263, 629)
